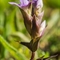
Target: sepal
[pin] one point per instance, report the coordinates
(32, 46)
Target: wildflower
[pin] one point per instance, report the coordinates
(32, 14)
(23, 3)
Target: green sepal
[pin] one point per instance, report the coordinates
(32, 46)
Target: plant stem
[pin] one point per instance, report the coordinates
(32, 56)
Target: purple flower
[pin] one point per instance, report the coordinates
(37, 3)
(23, 3)
(32, 17)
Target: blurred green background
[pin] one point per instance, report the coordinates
(13, 31)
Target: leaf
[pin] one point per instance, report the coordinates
(12, 50)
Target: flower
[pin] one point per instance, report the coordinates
(38, 28)
(39, 4)
(23, 3)
(42, 28)
(32, 14)
(32, 17)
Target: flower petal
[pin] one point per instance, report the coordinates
(39, 3)
(13, 3)
(24, 3)
(42, 28)
(34, 1)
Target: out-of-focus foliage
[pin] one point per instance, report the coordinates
(12, 50)
(52, 3)
(13, 31)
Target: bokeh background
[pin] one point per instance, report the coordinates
(13, 31)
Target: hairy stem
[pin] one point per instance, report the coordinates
(32, 56)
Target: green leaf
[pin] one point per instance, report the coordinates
(12, 50)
